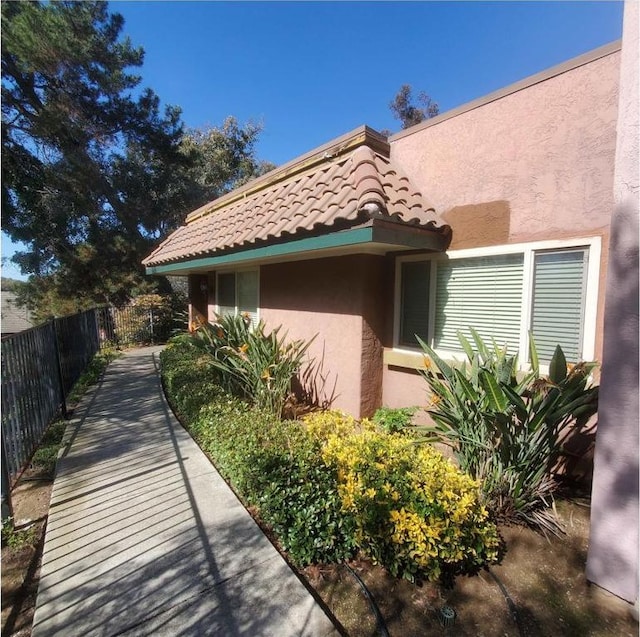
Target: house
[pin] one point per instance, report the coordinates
(496, 215)
(485, 216)
(14, 318)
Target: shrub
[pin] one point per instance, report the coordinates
(415, 513)
(274, 465)
(394, 420)
(330, 485)
(253, 364)
(507, 431)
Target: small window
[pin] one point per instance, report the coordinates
(238, 293)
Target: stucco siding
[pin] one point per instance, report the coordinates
(328, 298)
(613, 545)
(532, 165)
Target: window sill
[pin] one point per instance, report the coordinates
(403, 358)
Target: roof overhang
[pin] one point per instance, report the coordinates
(377, 236)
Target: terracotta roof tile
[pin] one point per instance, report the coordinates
(344, 188)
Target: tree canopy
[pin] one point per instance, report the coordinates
(410, 110)
(94, 171)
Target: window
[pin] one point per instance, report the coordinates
(557, 315)
(237, 293)
(548, 289)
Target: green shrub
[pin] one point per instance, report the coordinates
(189, 376)
(331, 485)
(274, 465)
(394, 420)
(507, 430)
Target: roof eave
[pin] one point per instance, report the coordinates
(376, 236)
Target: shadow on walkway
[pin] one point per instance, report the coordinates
(145, 538)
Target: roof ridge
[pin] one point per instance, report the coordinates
(362, 136)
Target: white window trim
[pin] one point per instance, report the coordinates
(236, 271)
(594, 245)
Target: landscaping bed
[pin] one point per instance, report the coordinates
(538, 586)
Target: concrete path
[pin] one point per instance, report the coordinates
(145, 538)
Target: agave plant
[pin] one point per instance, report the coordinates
(506, 427)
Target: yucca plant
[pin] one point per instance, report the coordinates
(506, 428)
(256, 365)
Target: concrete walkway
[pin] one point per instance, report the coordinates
(145, 538)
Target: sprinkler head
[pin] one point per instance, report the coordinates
(447, 616)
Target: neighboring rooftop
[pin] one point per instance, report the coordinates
(348, 183)
(13, 318)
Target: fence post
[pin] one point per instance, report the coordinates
(63, 393)
(151, 324)
(7, 509)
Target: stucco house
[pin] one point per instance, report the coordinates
(495, 215)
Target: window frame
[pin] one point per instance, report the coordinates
(235, 272)
(529, 250)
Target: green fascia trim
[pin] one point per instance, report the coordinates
(345, 238)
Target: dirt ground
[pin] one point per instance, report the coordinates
(539, 589)
(21, 566)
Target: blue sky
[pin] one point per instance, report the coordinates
(311, 71)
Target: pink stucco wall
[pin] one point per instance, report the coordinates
(333, 299)
(613, 544)
(535, 164)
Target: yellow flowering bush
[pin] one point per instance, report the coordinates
(416, 513)
(322, 424)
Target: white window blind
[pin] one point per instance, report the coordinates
(484, 293)
(557, 314)
(247, 289)
(238, 293)
(414, 302)
(226, 294)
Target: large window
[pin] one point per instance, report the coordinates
(237, 293)
(548, 289)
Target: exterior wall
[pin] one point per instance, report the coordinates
(613, 545)
(531, 165)
(337, 300)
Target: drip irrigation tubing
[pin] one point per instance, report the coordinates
(382, 627)
(513, 609)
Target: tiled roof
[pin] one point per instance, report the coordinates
(341, 187)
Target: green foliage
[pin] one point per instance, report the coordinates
(93, 372)
(330, 485)
(274, 465)
(17, 539)
(148, 318)
(507, 429)
(394, 420)
(407, 111)
(46, 455)
(253, 364)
